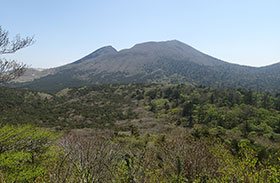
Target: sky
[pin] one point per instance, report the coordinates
(245, 32)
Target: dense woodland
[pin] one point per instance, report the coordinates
(139, 133)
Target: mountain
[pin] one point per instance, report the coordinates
(33, 73)
(102, 51)
(158, 62)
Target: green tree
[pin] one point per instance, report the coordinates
(24, 151)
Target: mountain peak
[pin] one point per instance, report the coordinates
(174, 41)
(159, 43)
(170, 44)
(105, 49)
(161, 62)
(99, 52)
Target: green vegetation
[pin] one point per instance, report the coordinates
(227, 113)
(233, 116)
(139, 133)
(95, 106)
(34, 156)
(24, 152)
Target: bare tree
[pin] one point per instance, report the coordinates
(11, 69)
(85, 159)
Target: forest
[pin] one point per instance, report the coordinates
(134, 133)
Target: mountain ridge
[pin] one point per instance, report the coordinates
(159, 62)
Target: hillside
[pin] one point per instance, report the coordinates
(157, 62)
(119, 133)
(152, 108)
(98, 106)
(30, 74)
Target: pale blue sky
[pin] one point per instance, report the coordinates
(246, 32)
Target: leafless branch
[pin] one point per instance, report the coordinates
(10, 69)
(11, 46)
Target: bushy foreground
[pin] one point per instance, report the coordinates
(31, 154)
